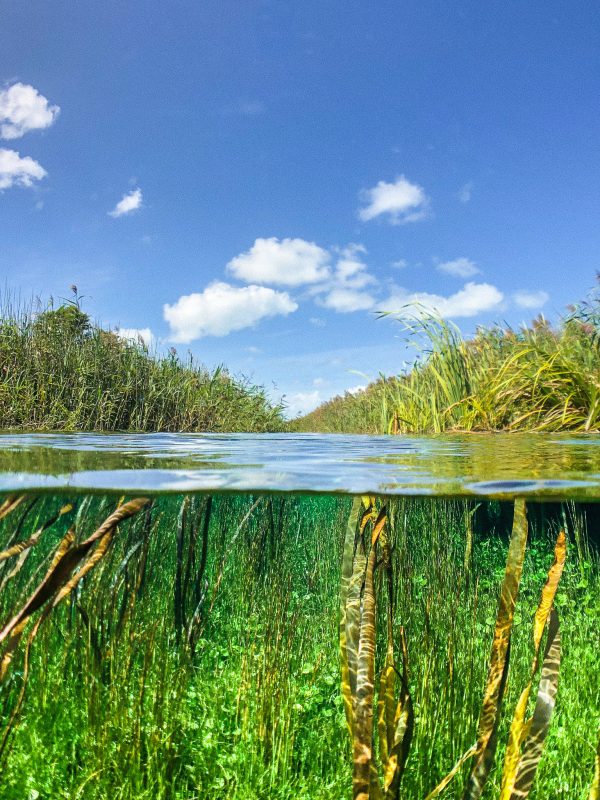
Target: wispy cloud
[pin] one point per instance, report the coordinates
(18, 171)
(530, 299)
(401, 202)
(127, 204)
(23, 109)
(246, 108)
(284, 262)
(222, 308)
(465, 192)
(459, 267)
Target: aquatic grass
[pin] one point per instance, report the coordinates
(118, 704)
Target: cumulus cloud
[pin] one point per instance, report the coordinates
(531, 299)
(459, 267)
(136, 335)
(401, 201)
(284, 262)
(300, 403)
(128, 203)
(350, 270)
(222, 308)
(345, 291)
(347, 300)
(356, 389)
(22, 109)
(17, 171)
(472, 299)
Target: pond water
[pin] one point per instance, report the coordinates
(541, 466)
(306, 617)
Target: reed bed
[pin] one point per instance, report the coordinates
(58, 371)
(538, 378)
(186, 647)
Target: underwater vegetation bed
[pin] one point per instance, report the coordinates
(271, 644)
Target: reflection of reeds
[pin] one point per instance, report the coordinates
(193, 655)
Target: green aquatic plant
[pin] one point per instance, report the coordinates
(120, 700)
(395, 718)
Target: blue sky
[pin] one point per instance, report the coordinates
(252, 181)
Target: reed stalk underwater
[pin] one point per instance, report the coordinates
(185, 647)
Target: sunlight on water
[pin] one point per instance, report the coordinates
(541, 466)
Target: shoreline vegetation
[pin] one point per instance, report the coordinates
(535, 378)
(59, 371)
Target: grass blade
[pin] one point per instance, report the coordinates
(347, 569)
(518, 728)
(595, 787)
(363, 713)
(539, 724)
(498, 668)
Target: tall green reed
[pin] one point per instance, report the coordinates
(58, 371)
(538, 377)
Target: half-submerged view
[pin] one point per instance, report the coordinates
(301, 616)
(299, 400)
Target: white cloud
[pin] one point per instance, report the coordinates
(136, 335)
(465, 192)
(472, 299)
(286, 262)
(17, 171)
(459, 267)
(301, 403)
(222, 308)
(531, 299)
(356, 389)
(128, 203)
(347, 300)
(22, 109)
(402, 201)
(350, 271)
(401, 263)
(345, 291)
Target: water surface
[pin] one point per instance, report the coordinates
(540, 466)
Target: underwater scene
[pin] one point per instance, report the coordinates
(299, 616)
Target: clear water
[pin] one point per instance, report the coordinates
(196, 653)
(539, 466)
